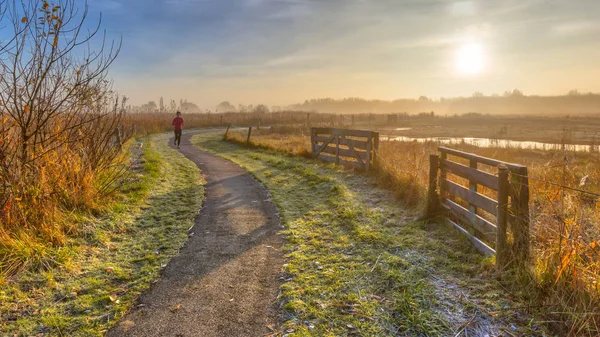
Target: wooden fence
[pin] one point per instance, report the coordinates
(472, 214)
(355, 148)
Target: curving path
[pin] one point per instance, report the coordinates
(224, 282)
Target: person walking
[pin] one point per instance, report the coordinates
(178, 126)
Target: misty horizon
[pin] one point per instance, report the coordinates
(512, 102)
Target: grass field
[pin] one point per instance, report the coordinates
(360, 264)
(118, 255)
(564, 275)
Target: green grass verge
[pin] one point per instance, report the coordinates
(115, 259)
(360, 265)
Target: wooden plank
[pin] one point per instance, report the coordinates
(334, 160)
(480, 224)
(324, 145)
(343, 152)
(480, 177)
(479, 245)
(481, 201)
(479, 159)
(357, 155)
(358, 144)
(343, 132)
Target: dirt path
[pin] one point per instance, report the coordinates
(224, 281)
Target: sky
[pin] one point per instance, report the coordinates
(281, 52)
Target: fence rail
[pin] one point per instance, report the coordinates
(464, 206)
(336, 146)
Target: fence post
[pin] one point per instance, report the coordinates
(369, 147)
(122, 131)
(308, 120)
(502, 253)
(226, 131)
(249, 133)
(375, 147)
(432, 196)
(312, 142)
(442, 173)
(520, 205)
(337, 150)
(473, 185)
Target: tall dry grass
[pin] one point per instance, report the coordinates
(562, 282)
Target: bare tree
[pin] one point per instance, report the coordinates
(44, 86)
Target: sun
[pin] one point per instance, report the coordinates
(470, 59)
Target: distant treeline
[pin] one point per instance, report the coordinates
(513, 103)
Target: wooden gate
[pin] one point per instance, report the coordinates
(357, 148)
(483, 215)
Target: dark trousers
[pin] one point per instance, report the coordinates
(177, 137)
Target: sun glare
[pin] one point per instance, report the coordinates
(470, 59)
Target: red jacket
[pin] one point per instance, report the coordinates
(178, 123)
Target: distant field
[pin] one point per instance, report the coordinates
(570, 130)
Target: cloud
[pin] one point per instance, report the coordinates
(282, 41)
(577, 28)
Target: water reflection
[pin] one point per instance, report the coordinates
(488, 142)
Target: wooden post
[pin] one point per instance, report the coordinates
(432, 196)
(502, 252)
(308, 120)
(313, 145)
(520, 205)
(337, 150)
(473, 185)
(249, 133)
(444, 156)
(221, 120)
(226, 132)
(368, 159)
(375, 148)
(352, 120)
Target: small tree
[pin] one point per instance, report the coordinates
(261, 109)
(225, 107)
(161, 105)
